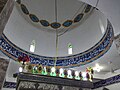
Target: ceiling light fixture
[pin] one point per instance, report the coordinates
(20, 69)
(97, 67)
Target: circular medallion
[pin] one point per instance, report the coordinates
(67, 23)
(33, 18)
(44, 23)
(55, 25)
(78, 17)
(24, 9)
(87, 9)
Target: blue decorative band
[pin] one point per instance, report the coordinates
(108, 81)
(88, 56)
(9, 85)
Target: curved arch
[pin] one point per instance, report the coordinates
(5, 12)
(85, 57)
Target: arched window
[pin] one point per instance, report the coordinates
(70, 48)
(32, 46)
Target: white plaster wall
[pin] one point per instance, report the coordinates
(111, 9)
(86, 35)
(21, 33)
(12, 68)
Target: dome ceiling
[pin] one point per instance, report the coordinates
(74, 60)
(87, 36)
(44, 15)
